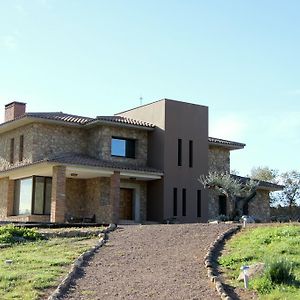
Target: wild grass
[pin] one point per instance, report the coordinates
(279, 248)
(37, 266)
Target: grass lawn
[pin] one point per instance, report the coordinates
(268, 244)
(38, 265)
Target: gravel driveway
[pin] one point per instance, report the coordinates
(150, 262)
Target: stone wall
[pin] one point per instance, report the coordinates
(5, 140)
(99, 143)
(259, 207)
(86, 197)
(49, 140)
(218, 159)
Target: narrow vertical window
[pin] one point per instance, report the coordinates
(12, 150)
(179, 152)
(183, 202)
(198, 203)
(190, 154)
(175, 202)
(21, 148)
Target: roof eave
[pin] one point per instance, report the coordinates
(119, 124)
(226, 146)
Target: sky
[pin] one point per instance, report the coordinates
(239, 58)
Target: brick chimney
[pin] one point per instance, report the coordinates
(13, 110)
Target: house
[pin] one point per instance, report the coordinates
(138, 165)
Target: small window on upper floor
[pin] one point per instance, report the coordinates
(123, 147)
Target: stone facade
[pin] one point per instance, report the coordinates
(259, 207)
(58, 197)
(88, 197)
(99, 143)
(218, 159)
(28, 134)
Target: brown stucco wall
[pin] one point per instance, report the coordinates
(175, 120)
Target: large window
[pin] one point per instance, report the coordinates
(123, 147)
(21, 148)
(33, 196)
(199, 211)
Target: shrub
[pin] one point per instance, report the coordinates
(12, 234)
(280, 271)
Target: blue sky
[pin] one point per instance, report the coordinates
(240, 58)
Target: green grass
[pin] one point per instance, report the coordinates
(279, 248)
(38, 265)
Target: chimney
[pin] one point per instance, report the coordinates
(14, 110)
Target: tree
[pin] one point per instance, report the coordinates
(290, 195)
(264, 174)
(238, 193)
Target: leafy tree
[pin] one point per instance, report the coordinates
(264, 174)
(290, 195)
(238, 193)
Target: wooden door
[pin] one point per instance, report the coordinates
(126, 204)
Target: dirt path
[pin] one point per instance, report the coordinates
(150, 262)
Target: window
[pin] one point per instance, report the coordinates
(183, 202)
(12, 151)
(199, 204)
(123, 147)
(179, 152)
(175, 202)
(33, 196)
(21, 148)
(190, 154)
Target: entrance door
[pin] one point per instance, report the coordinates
(222, 205)
(126, 204)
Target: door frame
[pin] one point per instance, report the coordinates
(136, 198)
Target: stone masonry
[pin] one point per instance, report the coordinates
(58, 198)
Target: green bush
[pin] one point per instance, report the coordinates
(12, 234)
(280, 271)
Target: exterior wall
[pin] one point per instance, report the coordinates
(86, 197)
(99, 143)
(218, 159)
(155, 114)
(49, 140)
(58, 195)
(27, 132)
(175, 120)
(259, 207)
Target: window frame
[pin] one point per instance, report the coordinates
(130, 147)
(32, 199)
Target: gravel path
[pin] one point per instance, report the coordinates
(150, 262)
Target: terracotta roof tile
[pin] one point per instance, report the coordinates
(213, 140)
(79, 159)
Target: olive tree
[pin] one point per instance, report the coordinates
(237, 193)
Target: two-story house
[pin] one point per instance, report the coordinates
(137, 165)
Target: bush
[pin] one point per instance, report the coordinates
(11, 234)
(280, 271)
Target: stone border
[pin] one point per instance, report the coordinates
(77, 264)
(210, 260)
